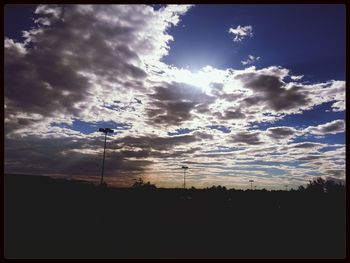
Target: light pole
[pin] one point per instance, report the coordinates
(185, 168)
(105, 131)
(251, 184)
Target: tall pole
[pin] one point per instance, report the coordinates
(251, 184)
(103, 161)
(105, 131)
(184, 178)
(185, 168)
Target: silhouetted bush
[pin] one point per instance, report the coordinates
(141, 184)
(217, 188)
(301, 188)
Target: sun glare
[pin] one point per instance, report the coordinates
(202, 78)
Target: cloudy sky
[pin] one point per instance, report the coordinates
(235, 92)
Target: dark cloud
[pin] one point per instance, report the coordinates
(280, 132)
(173, 103)
(271, 91)
(82, 156)
(67, 41)
(203, 135)
(230, 114)
(171, 113)
(309, 158)
(150, 152)
(66, 156)
(306, 145)
(234, 114)
(52, 86)
(136, 154)
(251, 138)
(333, 127)
(159, 143)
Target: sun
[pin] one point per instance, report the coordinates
(203, 78)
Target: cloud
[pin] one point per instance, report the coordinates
(309, 158)
(251, 94)
(100, 64)
(251, 138)
(82, 53)
(304, 145)
(296, 78)
(272, 92)
(250, 60)
(81, 155)
(64, 156)
(230, 114)
(331, 91)
(154, 142)
(333, 127)
(173, 103)
(336, 90)
(241, 32)
(282, 132)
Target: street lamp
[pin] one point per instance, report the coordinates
(105, 131)
(251, 184)
(185, 168)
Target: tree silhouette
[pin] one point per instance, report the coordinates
(320, 185)
(332, 186)
(317, 185)
(141, 184)
(301, 188)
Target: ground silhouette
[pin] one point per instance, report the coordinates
(56, 218)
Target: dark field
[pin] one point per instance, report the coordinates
(50, 218)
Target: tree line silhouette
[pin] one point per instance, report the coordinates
(317, 185)
(57, 218)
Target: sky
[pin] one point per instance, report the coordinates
(234, 92)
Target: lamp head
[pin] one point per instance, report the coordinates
(109, 130)
(105, 130)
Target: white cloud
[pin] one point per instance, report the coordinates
(18, 48)
(241, 32)
(296, 78)
(250, 60)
